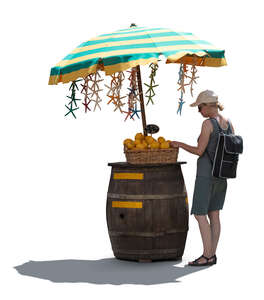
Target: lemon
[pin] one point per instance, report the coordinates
(130, 145)
(137, 141)
(149, 139)
(154, 145)
(126, 141)
(145, 144)
(140, 146)
(169, 141)
(164, 145)
(161, 139)
(139, 136)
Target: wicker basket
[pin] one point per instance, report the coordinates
(151, 156)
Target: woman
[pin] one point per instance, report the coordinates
(209, 192)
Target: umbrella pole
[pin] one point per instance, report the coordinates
(142, 108)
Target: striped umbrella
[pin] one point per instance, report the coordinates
(127, 48)
(132, 47)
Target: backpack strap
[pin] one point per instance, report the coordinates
(217, 124)
(230, 124)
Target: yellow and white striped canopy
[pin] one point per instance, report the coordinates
(127, 48)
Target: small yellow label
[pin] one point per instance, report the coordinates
(127, 204)
(186, 200)
(139, 176)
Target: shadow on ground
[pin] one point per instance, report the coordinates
(107, 271)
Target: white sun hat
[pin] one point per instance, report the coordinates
(206, 96)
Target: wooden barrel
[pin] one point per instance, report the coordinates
(147, 211)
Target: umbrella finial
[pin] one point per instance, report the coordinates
(133, 25)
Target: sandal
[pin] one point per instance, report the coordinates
(207, 263)
(214, 261)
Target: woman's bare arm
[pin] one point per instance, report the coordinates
(202, 141)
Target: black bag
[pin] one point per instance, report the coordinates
(228, 148)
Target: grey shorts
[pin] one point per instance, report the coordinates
(209, 194)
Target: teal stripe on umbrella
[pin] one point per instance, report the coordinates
(212, 53)
(112, 60)
(135, 46)
(130, 38)
(133, 31)
(73, 67)
(108, 61)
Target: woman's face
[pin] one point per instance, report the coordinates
(203, 109)
(207, 110)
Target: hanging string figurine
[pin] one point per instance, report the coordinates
(181, 102)
(115, 90)
(182, 83)
(130, 105)
(133, 95)
(182, 76)
(193, 76)
(150, 92)
(73, 102)
(119, 103)
(91, 83)
(95, 90)
(135, 111)
(84, 91)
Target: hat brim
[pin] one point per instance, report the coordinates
(194, 104)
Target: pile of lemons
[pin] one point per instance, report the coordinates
(146, 142)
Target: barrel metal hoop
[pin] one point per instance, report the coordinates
(144, 197)
(147, 234)
(147, 252)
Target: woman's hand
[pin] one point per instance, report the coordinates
(175, 144)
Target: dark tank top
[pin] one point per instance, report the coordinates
(204, 162)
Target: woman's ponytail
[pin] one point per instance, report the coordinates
(220, 106)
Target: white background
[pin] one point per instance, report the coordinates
(54, 173)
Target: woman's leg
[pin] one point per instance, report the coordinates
(206, 234)
(215, 228)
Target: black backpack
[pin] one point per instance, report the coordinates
(228, 148)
